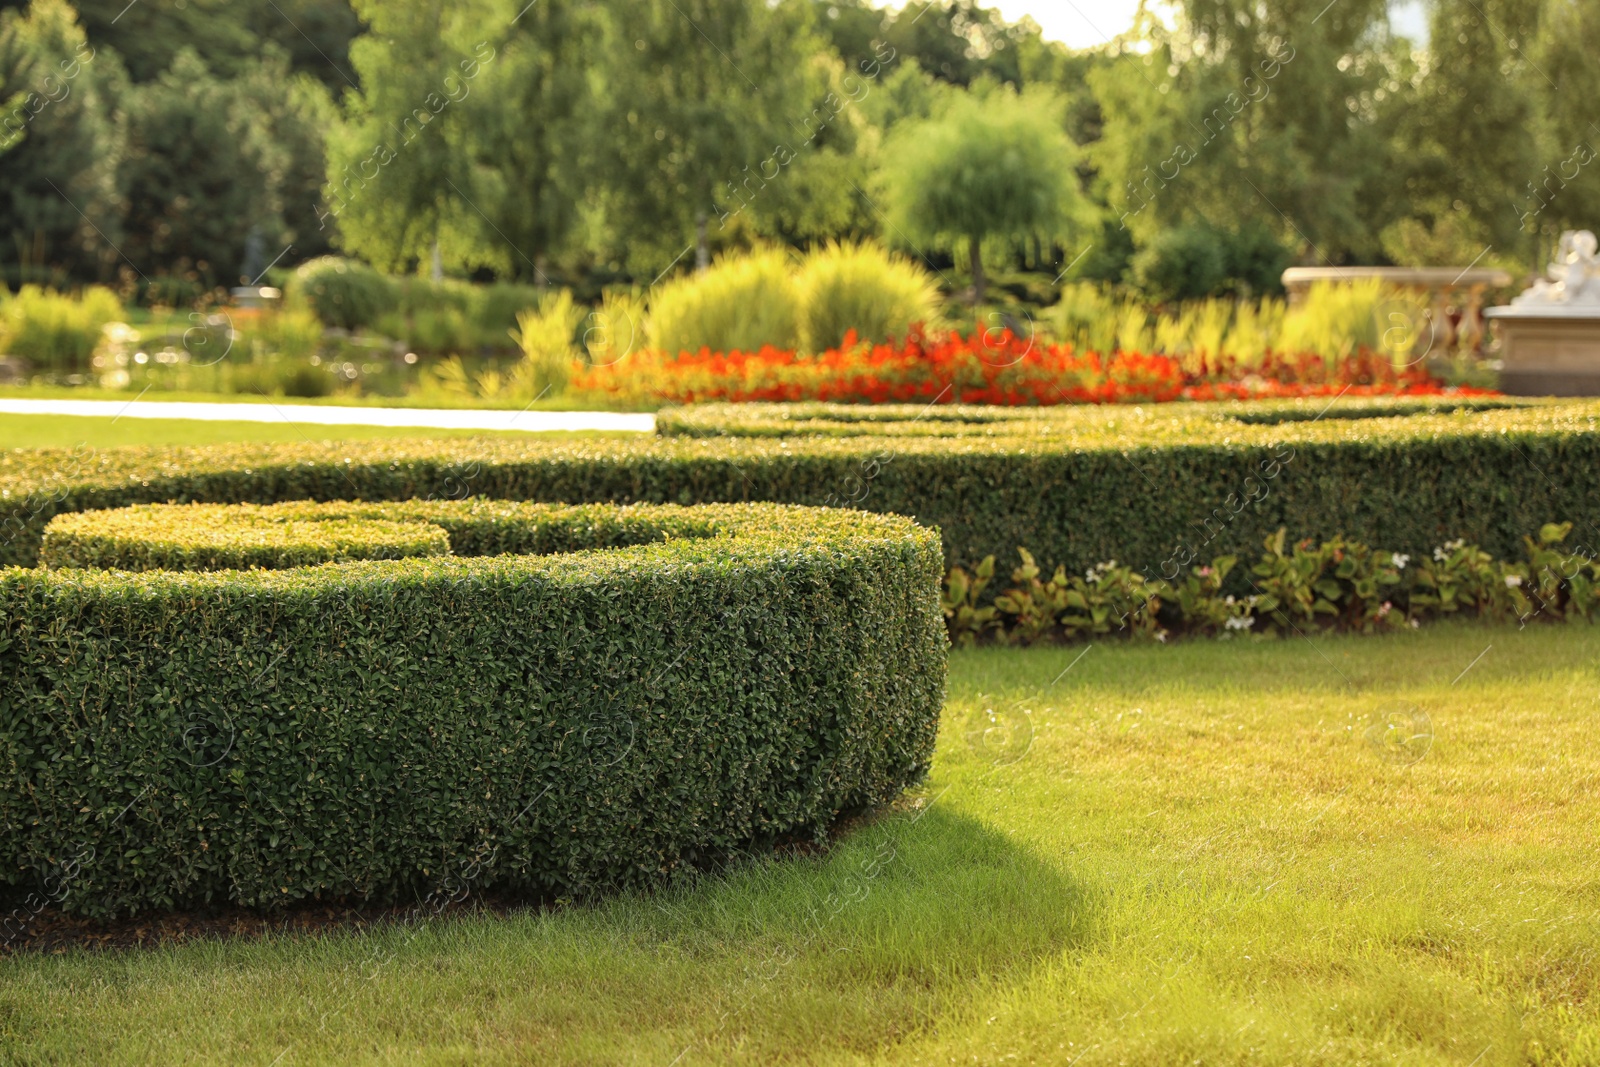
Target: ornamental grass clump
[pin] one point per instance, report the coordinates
(859, 289)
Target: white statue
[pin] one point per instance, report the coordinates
(1574, 276)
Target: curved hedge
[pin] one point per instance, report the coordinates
(1147, 486)
(675, 684)
(958, 420)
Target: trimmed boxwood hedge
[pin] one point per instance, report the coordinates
(676, 684)
(945, 420)
(1145, 485)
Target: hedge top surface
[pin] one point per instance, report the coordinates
(264, 542)
(204, 537)
(956, 420)
(31, 473)
(1077, 487)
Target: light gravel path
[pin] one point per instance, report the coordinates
(322, 415)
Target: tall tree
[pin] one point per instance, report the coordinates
(992, 168)
(397, 172)
(315, 34)
(699, 93)
(1245, 110)
(1468, 136)
(215, 165)
(531, 138)
(59, 210)
(1564, 191)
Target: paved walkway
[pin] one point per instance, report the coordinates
(430, 418)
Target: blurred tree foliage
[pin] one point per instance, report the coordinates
(571, 140)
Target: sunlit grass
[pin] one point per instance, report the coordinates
(1169, 855)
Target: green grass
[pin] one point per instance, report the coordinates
(1197, 857)
(71, 431)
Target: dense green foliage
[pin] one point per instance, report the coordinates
(170, 149)
(1159, 489)
(997, 167)
(1207, 147)
(344, 293)
(54, 331)
(673, 685)
(740, 302)
(1294, 588)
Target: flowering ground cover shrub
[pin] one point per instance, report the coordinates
(990, 367)
(1337, 584)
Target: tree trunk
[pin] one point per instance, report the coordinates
(702, 251)
(977, 271)
(437, 271)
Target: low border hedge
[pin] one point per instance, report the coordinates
(377, 729)
(948, 420)
(1153, 487)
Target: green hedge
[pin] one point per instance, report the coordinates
(948, 420)
(379, 729)
(1145, 485)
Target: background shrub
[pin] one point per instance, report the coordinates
(527, 723)
(344, 293)
(1183, 263)
(861, 287)
(545, 336)
(741, 302)
(500, 304)
(56, 332)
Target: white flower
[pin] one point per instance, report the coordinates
(1239, 622)
(1415, 624)
(1400, 559)
(1512, 581)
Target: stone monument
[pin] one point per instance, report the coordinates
(1550, 335)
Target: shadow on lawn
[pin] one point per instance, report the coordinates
(917, 891)
(924, 898)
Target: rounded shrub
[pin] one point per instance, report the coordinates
(560, 700)
(1185, 263)
(861, 287)
(344, 293)
(741, 302)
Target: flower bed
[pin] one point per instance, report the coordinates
(992, 367)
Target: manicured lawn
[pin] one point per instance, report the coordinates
(72, 431)
(1201, 857)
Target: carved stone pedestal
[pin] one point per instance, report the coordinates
(1548, 355)
(1550, 335)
